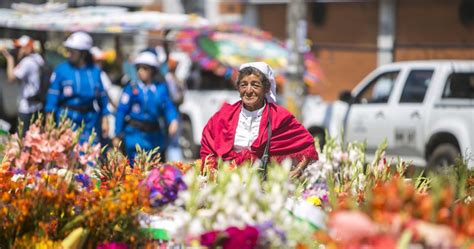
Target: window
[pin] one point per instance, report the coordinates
(459, 86)
(378, 91)
(416, 85)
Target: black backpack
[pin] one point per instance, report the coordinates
(45, 79)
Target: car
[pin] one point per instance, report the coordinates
(424, 109)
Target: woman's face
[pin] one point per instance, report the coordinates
(24, 51)
(252, 92)
(145, 73)
(74, 56)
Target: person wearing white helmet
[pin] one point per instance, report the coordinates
(77, 91)
(28, 73)
(141, 106)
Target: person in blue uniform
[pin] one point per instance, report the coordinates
(76, 89)
(142, 104)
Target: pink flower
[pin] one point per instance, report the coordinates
(164, 184)
(36, 155)
(57, 146)
(60, 159)
(33, 135)
(112, 245)
(382, 164)
(22, 161)
(351, 226)
(66, 138)
(87, 154)
(12, 148)
(231, 238)
(436, 236)
(244, 239)
(209, 239)
(383, 242)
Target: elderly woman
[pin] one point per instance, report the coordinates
(240, 132)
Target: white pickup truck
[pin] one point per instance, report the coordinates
(425, 110)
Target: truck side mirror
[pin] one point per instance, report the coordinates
(346, 96)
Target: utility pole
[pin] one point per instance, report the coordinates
(386, 35)
(294, 89)
(172, 6)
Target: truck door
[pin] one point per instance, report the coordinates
(368, 117)
(408, 117)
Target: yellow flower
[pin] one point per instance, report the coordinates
(46, 244)
(314, 200)
(75, 239)
(195, 243)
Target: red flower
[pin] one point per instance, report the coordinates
(112, 245)
(244, 239)
(231, 238)
(209, 239)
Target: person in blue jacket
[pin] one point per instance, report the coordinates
(76, 89)
(141, 106)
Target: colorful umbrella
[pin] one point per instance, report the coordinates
(222, 49)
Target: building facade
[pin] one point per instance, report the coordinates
(350, 38)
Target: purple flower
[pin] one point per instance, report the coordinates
(18, 171)
(84, 179)
(263, 228)
(164, 184)
(319, 190)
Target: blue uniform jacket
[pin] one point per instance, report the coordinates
(146, 103)
(78, 87)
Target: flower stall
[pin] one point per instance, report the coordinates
(57, 193)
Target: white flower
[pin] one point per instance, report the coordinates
(468, 199)
(353, 155)
(337, 155)
(195, 227)
(16, 177)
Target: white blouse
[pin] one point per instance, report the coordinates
(247, 128)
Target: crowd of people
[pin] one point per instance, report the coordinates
(254, 128)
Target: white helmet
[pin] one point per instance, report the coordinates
(79, 41)
(147, 58)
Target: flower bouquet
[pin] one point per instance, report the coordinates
(234, 208)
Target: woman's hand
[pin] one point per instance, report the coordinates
(116, 141)
(298, 170)
(173, 128)
(105, 127)
(6, 54)
(10, 64)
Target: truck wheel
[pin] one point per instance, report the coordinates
(443, 156)
(186, 141)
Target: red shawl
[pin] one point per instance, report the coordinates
(289, 138)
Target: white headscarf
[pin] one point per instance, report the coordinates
(268, 72)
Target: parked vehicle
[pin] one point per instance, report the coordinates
(425, 110)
